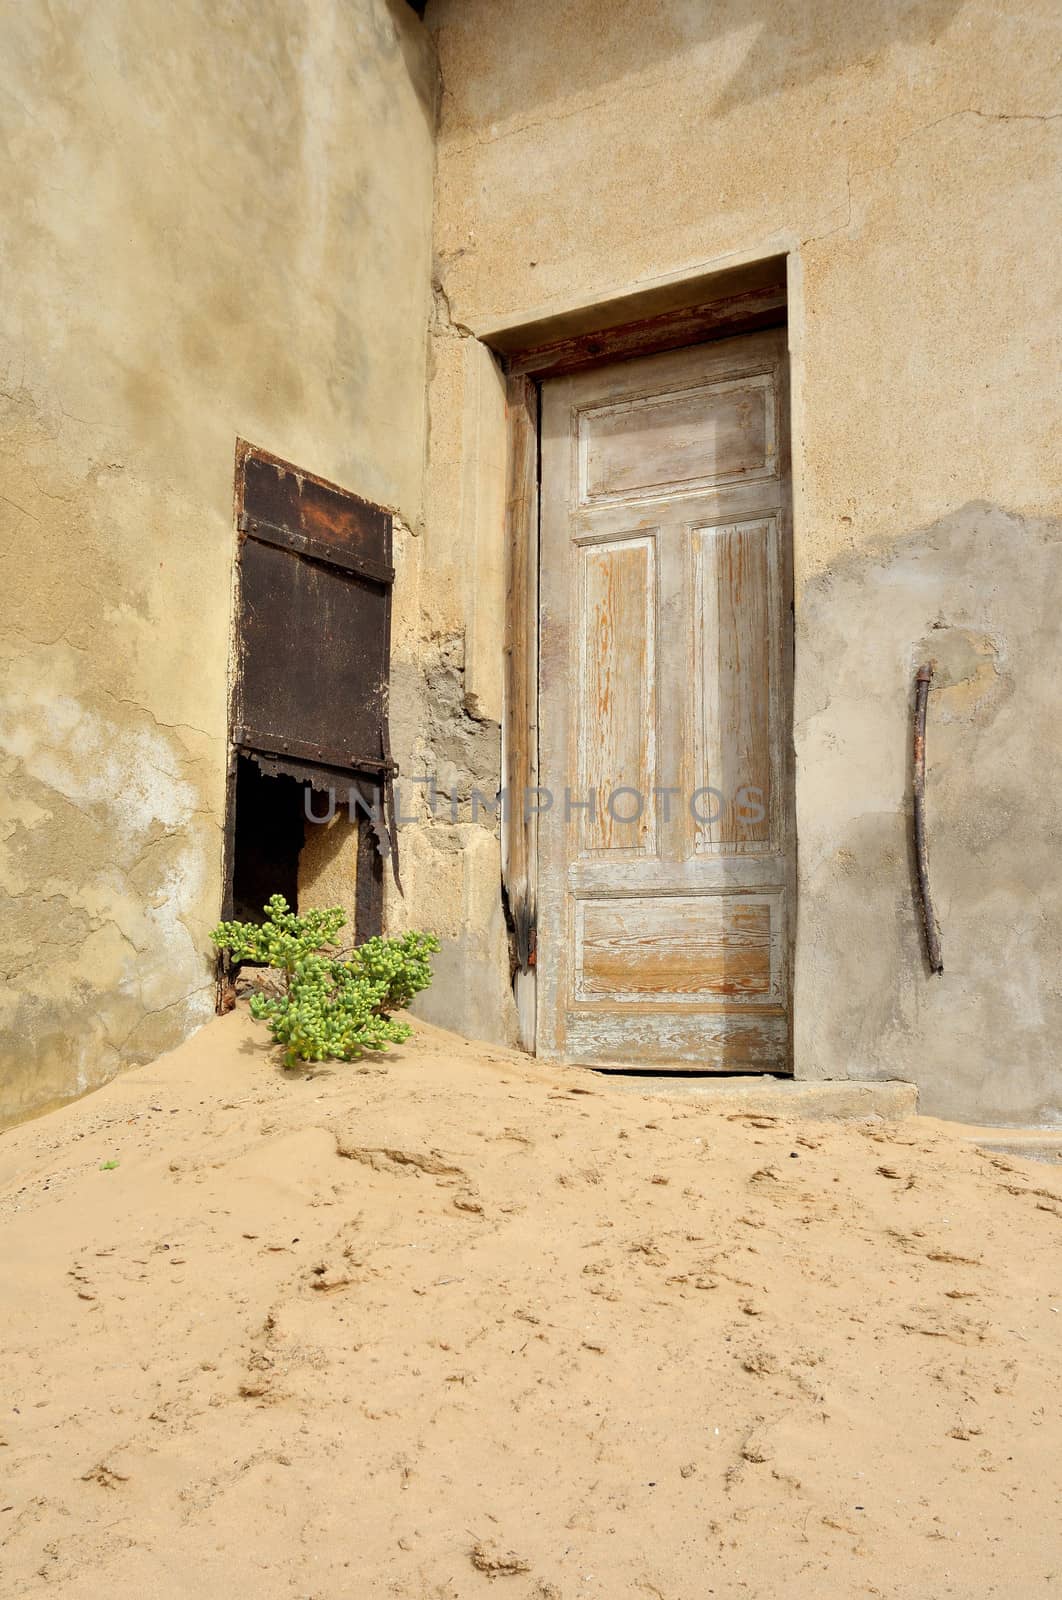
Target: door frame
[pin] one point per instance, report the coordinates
(674, 315)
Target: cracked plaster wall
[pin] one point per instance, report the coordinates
(446, 691)
(906, 157)
(216, 221)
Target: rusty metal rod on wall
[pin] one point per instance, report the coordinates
(929, 916)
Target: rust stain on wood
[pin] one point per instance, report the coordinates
(719, 318)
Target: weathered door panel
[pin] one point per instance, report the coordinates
(666, 859)
(616, 690)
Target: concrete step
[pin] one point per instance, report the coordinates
(779, 1097)
(1032, 1144)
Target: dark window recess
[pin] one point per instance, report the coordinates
(309, 701)
(270, 830)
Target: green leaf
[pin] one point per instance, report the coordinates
(334, 1008)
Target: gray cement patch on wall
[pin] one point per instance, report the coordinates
(979, 592)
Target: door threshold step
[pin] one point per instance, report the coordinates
(1031, 1144)
(815, 1099)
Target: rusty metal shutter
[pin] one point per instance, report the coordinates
(313, 632)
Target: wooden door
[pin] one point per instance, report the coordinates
(666, 853)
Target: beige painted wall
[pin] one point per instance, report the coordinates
(215, 221)
(907, 159)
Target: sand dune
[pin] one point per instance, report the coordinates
(452, 1324)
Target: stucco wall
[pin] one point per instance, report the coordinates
(446, 692)
(906, 157)
(215, 222)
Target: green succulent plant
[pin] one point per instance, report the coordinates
(337, 1004)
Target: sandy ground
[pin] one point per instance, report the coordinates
(456, 1325)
